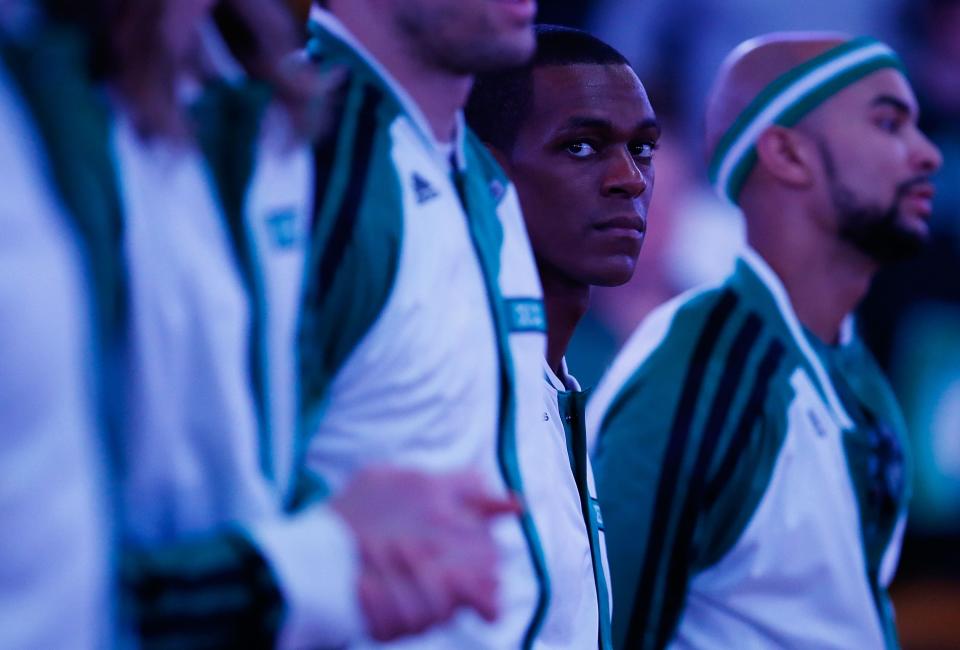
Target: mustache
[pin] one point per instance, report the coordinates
(904, 188)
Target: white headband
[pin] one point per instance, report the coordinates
(787, 99)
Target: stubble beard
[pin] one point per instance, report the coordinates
(876, 231)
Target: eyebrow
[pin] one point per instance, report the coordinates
(895, 102)
(599, 124)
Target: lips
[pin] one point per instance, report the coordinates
(921, 191)
(920, 197)
(632, 222)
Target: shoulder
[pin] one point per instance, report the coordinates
(668, 330)
(704, 347)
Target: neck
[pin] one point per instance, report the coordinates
(438, 92)
(824, 284)
(565, 303)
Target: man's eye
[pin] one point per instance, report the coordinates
(643, 150)
(580, 149)
(889, 124)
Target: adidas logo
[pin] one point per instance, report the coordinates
(425, 191)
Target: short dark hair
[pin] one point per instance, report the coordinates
(500, 100)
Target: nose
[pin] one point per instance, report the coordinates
(623, 176)
(926, 155)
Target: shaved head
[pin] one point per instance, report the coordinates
(751, 67)
(859, 171)
(815, 137)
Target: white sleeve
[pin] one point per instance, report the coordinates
(314, 558)
(55, 542)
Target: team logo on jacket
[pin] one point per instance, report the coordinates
(424, 190)
(597, 514)
(526, 315)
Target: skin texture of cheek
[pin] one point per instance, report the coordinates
(579, 254)
(562, 206)
(555, 215)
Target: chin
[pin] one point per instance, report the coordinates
(613, 275)
(506, 52)
(914, 226)
(892, 245)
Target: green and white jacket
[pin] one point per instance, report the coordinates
(215, 238)
(422, 336)
(753, 480)
(574, 541)
(56, 544)
(194, 257)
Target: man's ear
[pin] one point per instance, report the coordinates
(787, 155)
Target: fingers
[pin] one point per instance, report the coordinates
(491, 507)
(426, 546)
(425, 581)
(473, 492)
(473, 581)
(389, 609)
(404, 591)
(481, 596)
(470, 565)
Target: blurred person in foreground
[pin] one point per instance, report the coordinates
(750, 459)
(574, 130)
(422, 339)
(209, 215)
(55, 299)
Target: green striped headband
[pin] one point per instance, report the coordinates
(787, 99)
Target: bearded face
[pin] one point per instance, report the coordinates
(882, 232)
(878, 231)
